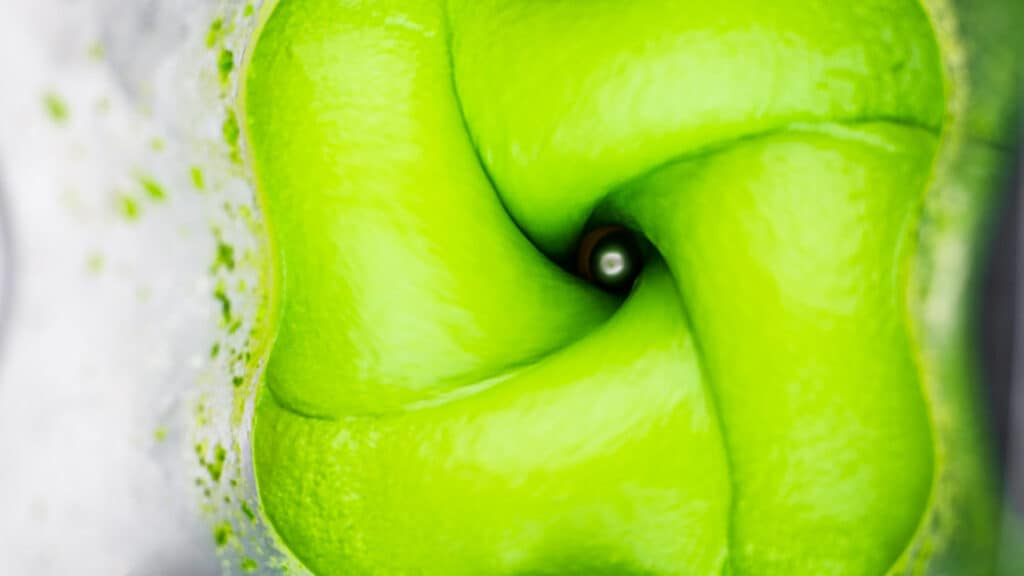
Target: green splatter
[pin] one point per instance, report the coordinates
(231, 135)
(157, 144)
(198, 180)
(214, 34)
(222, 533)
(225, 257)
(225, 303)
(215, 350)
(56, 108)
(225, 65)
(237, 381)
(128, 207)
(247, 510)
(160, 435)
(153, 189)
(249, 565)
(215, 467)
(96, 52)
(95, 263)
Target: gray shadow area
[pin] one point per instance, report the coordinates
(6, 264)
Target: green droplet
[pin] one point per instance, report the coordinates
(216, 467)
(214, 34)
(225, 257)
(56, 108)
(198, 181)
(225, 65)
(248, 512)
(153, 189)
(128, 207)
(95, 263)
(97, 52)
(231, 135)
(225, 303)
(222, 533)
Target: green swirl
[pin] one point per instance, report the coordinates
(441, 397)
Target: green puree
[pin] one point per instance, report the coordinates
(442, 398)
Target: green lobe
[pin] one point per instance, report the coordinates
(385, 223)
(794, 278)
(604, 458)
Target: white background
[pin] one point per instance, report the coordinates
(110, 321)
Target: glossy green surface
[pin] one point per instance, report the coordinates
(441, 398)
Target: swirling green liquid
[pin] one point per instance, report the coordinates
(442, 398)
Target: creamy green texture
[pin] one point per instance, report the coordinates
(441, 398)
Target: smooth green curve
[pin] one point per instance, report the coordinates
(441, 398)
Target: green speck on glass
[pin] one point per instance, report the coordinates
(216, 467)
(247, 510)
(222, 534)
(225, 257)
(231, 135)
(249, 565)
(128, 207)
(215, 32)
(56, 108)
(160, 434)
(225, 303)
(225, 64)
(97, 52)
(198, 180)
(95, 263)
(153, 189)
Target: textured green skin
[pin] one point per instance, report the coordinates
(442, 399)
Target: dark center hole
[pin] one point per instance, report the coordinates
(611, 258)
